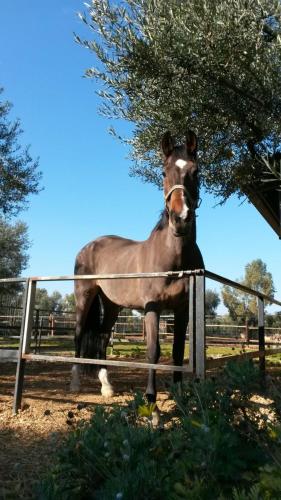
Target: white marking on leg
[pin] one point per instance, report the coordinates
(75, 379)
(106, 387)
(181, 163)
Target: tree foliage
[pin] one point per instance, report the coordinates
(211, 66)
(19, 175)
(68, 303)
(54, 302)
(14, 244)
(244, 306)
(212, 300)
(46, 302)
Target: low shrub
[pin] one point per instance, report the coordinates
(217, 444)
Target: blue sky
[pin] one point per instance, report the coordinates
(87, 189)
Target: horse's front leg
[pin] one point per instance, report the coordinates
(180, 326)
(153, 353)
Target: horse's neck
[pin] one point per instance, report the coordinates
(175, 248)
(193, 233)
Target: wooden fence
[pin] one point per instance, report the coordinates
(131, 328)
(197, 363)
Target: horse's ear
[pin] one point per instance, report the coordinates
(191, 142)
(167, 143)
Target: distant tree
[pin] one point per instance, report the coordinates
(19, 175)
(273, 320)
(46, 302)
(210, 65)
(68, 302)
(14, 244)
(212, 300)
(243, 306)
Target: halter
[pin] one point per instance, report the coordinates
(181, 186)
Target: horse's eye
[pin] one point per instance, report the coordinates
(164, 174)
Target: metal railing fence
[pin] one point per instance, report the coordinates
(197, 364)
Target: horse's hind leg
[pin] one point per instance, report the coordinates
(110, 313)
(84, 295)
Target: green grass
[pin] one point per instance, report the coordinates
(46, 343)
(139, 350)
(7, 343)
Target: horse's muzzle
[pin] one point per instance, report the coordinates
(181, 225)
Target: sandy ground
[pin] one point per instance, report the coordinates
(29, 440)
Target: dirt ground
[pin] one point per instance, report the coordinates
(29, 440)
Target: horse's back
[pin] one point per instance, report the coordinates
(107, 254)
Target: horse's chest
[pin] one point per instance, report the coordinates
(171, 293)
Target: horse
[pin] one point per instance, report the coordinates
(171, 246)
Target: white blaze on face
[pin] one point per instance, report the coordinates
(184, 212)
(181, 163)
(106, 387)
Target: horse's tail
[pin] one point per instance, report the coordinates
(94, 341)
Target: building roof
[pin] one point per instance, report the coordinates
(265, 195)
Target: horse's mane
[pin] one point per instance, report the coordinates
(163, 221)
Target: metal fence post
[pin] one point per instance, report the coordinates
(25, 337)
(20, 362)
(29, 317)
(261, 333)
(36, 330)
(191, 326)
(200, 326)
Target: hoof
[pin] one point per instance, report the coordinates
(107, 391)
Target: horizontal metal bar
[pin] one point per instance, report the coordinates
(243, 288)
(13, 280)
(168, 274)
(112, 276)
(105, 362)
(51, 327)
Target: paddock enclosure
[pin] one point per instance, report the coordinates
(196, 365)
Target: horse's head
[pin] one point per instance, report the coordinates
(180, 182)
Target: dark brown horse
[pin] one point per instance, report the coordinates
(171, 246)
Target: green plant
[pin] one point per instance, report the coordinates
(216, 445)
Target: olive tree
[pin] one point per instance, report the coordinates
(14, 245)
(244, 306)
(46, 302)
(19, 175)
(213, 66)
(212, 301)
